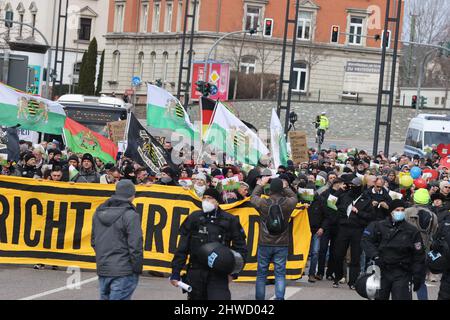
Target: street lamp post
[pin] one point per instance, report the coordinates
(46, 92)
(251, 31)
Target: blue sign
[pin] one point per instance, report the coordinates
(136, 81)
(214, 90)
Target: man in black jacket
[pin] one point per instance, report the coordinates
(380, 199)
(330, 231)
(397, 249)
(117, 241)
(316, 216)
(203, 227)
(355, 213)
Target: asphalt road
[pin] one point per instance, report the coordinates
(23, 282)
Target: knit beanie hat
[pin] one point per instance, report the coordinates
(29, 156)
(125, 189)
(421, 196)
(397, 203)
(212, 192)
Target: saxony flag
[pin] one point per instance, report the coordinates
(31, 112)
(80, 139)
(230, 135)
(164, 111)
(277, 141)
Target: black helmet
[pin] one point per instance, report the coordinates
(368, 285)
(220, 258)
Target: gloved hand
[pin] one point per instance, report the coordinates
(417, 282)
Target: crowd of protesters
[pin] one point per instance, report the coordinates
(342, 182)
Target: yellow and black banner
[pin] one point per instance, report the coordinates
(50, 222)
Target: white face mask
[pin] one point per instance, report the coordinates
(207, 206)
(200, 190)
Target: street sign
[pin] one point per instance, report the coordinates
(136, 81)
(219, 76)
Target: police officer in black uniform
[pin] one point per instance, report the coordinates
(210, 225)
(396, 247)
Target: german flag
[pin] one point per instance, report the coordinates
(207, 106)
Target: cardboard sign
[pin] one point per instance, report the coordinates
(299, 146)
(116, 130)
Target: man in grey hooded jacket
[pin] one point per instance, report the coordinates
(117, 241)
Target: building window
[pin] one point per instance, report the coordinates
(85, 29)
(356, 30)
(300, 77)
(388, 39)
(252, 17)
(156, 17)
(140, 65)
(76, 72)
(152, 65)
(248, 64)
(436, 100)
(179, 15)
(118, 23)
(304, 25)
(20, 26)
(168, 19)
(144, 17)
(443, 101)
(115, 65)
(165, 65)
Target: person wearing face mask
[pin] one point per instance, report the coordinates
(354, 213)
(167, 177)
(210, 225)
(396, 247)
(200, 184)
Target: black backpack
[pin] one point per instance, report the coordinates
(438, 259)
(275, 222)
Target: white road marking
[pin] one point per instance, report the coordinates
(46, 293)
(290, 291)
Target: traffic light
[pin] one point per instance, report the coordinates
(414, 102)
(335, 34)
(200, 87)
(268, 27)
(423, 101)
(206, 88)
(8, 19)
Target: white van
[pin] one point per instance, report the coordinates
(426, 130)
(93, 101)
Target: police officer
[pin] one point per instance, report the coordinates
(397, 248)
(322, 124)
(201, 228)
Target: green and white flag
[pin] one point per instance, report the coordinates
(278, 141)
(164, 111)
(331, 202)
(306, 194)
(31, 112)
(230, 135)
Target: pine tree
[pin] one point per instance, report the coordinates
(100, 75)
(82, 79)
(88, 70)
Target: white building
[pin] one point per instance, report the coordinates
(435, 97)
(86, 19)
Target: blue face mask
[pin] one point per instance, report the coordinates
(398, 215)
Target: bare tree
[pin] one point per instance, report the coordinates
(266, 57)
(425, 21)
